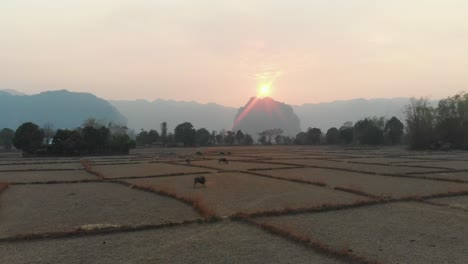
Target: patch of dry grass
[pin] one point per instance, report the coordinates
(96, 230)
(318, 246)
(359, 192)
(196, 202)
(314, 209)
(89, 168)
(316, 183)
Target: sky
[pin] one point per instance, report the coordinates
(219, 51)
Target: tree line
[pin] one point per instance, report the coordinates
(444, 126)
(92, 138)
(186, 135)
(368, 131)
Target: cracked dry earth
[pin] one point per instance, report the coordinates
(268, 205)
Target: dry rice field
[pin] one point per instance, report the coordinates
(267, 205)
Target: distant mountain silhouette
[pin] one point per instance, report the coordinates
(334, 114)
(62, 108)
(69, 109)
(10, 92)
(260, 114)
(150, 115)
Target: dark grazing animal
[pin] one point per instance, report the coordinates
(200, 180)
(223, 160)
(187, 161)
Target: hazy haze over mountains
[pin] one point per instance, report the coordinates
(149, 115)
(69, 109)
(334, 114)
(61, 108)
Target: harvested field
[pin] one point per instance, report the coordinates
(230, 193)
(224, 242)
(452, 164)
(392, 233)
(369, 168)
(270, 204)
(395, 187)
(63, 207)
(449, 175)
(460, 202)
(237, 165)
(145, 169)
(45, 176)
(41, 166)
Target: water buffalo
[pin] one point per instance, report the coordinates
(200, 180)
(223, 160)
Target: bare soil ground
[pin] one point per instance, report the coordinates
(224, 242)
(45, 176)
(370, 168)
(237, 165)
(145, 169)
(271, 204)
(392, 233)
(41, 166)
(460, 202)
(230, 193)
(65, 207)
(386, 186)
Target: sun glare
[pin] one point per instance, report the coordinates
(265, 91)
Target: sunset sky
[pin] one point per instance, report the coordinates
(225, 51)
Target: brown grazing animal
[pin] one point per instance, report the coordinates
(223, 160)
(200, 180)
(187, 161)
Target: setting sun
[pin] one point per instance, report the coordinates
(265, 90)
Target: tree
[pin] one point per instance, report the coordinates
(142, 138)
(369, 131)
(121, 143)
(313, 135)
(153, 136)
(96, 139)
(185, 133)
(346, 133)
(451, 120)
(248, 140)
(267, 135)
(230, 137)
(333, 136)
(279, 140)
(116, 129)
(164, 133)
(420, 123)
(393, 130)
(301, 139)
(28, 137)
(93, 122)
(240, 137)
(6, 138)
(68, 142)
(203, 137)
(220, 137)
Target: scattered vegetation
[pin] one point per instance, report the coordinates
(195, 202)
(307, 241)
(89, 168)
